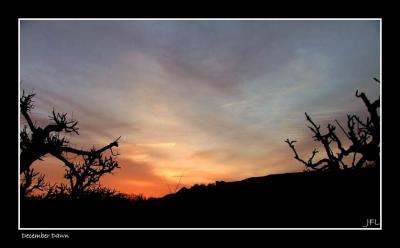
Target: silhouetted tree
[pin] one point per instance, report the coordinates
(31, 181)
(363, 136)
(57, 191)
(38, 141)
(85, 175)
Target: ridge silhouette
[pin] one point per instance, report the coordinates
(330, 193)
(342, 199)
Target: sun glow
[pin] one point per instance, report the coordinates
(196, 101)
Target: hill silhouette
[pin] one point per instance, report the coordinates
(341, 189)
(342, 199)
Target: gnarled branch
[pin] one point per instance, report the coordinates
(363, 135)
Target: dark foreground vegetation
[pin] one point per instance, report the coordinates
(308, 199)
(341, 189)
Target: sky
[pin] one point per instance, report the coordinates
(196, 101)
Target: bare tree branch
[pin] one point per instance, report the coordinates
(38, 142)
(363, 135)
(32, 181)
(26, 105)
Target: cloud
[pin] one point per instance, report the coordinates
(212, 99)
(235, 104)
(158, 145)
(213, 155)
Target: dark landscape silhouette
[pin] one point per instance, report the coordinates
(340, 190)
(310, 199)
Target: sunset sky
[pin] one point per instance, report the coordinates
(196, 101)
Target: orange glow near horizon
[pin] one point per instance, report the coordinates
(142, 173)
(196, 101)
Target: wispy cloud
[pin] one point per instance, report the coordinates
(212, 99)
(159, 145)
(233, 104)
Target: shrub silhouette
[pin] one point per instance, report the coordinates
(82, 176)
(265, 201)
(38, 141)
(364, 140)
